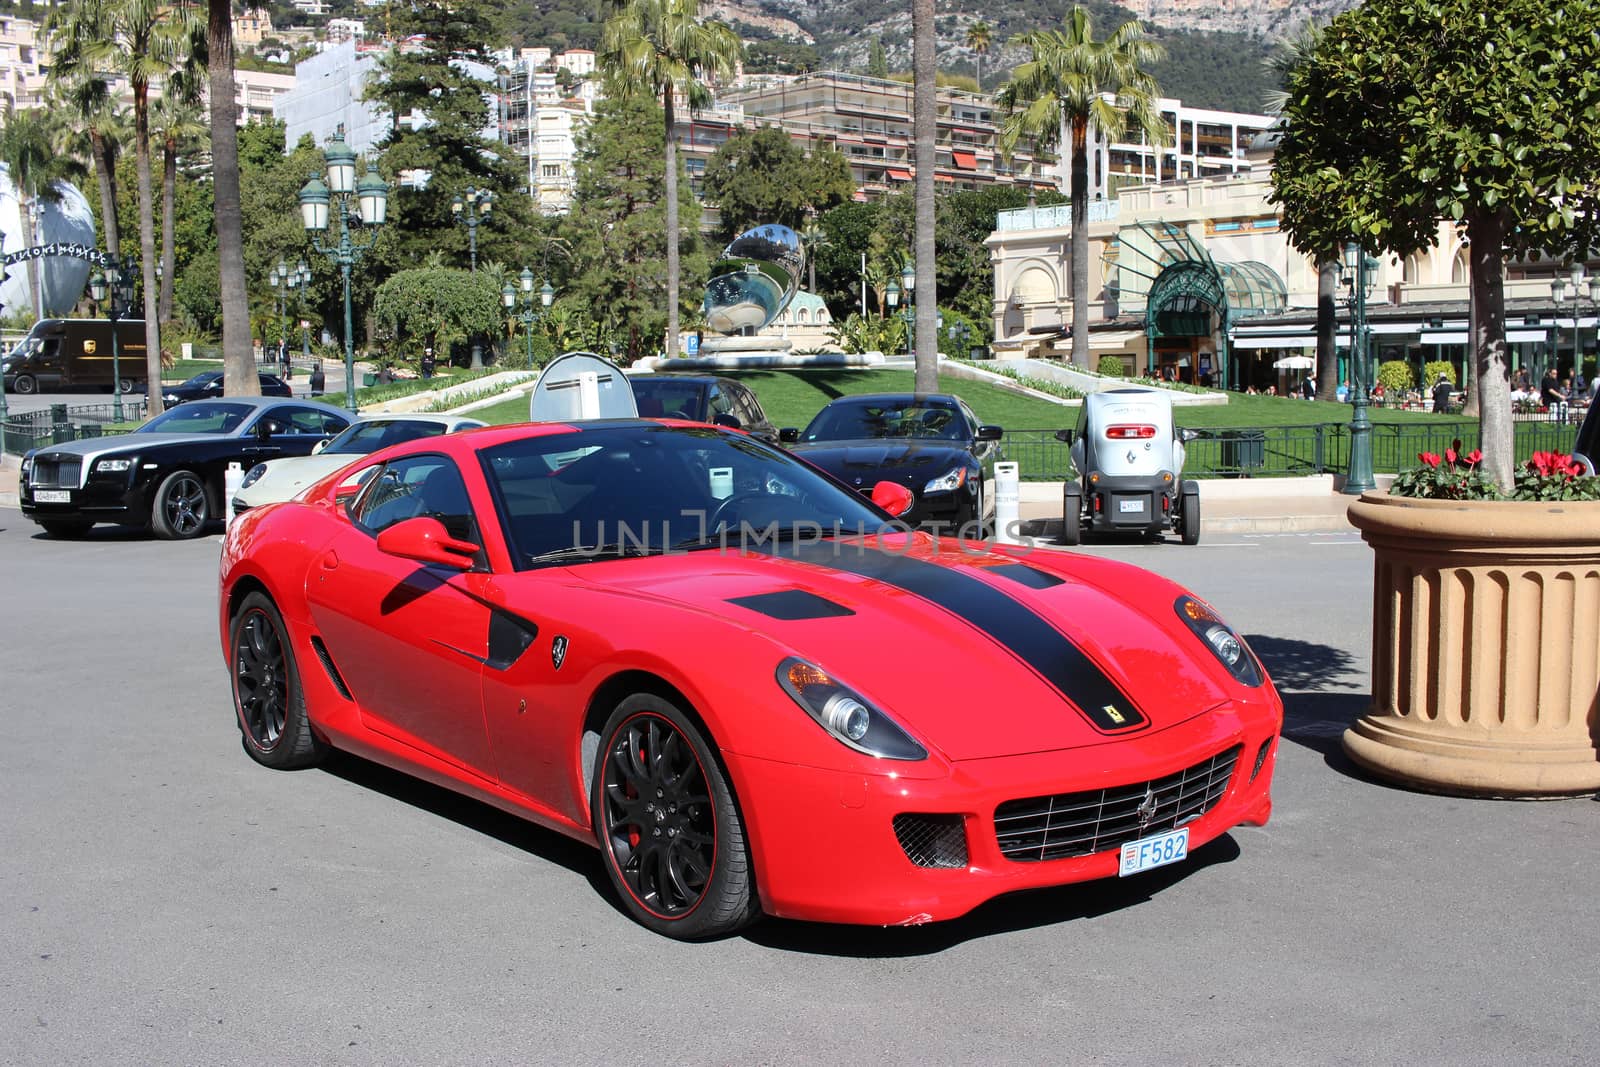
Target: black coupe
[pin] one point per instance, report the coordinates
(207, 385)
(169, 472)
(931, 443)
(701, 398)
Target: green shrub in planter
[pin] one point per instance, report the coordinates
(1112, 366)
(1433, 368)
(1395, 376)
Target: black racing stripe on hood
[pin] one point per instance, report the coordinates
(791, 605)
(1007, 621)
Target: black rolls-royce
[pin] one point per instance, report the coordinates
(168, 474)
(931, 443)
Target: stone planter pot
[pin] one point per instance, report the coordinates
(1485, 645)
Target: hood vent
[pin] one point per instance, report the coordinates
(792, 605)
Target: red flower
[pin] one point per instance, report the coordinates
(1429, 459)
(1475, 457)
(1450, 456)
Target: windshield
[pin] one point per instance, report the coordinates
(201, 416)
(641, 489)
(664, 398)
(369, 436)
(865, 420)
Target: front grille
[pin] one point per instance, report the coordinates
(932, 840)
(1099, 820)
(56, 473)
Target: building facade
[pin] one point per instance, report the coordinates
(23, 63)
(1197, 281)
(326, 97)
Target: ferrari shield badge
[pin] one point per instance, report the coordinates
(558, 651)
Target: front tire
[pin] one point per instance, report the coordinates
(24, 385)
(124, 386)
(669, 829)
(268, 700)
(182, 508)
(1190, 513)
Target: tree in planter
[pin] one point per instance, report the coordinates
(1394, 124)
(431, 307)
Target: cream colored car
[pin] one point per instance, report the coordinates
(281, 479)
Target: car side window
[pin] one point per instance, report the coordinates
(306, 421)
(721, 404)
(417, 486)
(746, 407)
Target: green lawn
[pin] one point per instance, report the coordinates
(791, 398)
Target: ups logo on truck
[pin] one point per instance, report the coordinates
(88, 346)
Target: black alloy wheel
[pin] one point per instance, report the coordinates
(182, 508)
(669, 829)
(267, 697)
(24, 385)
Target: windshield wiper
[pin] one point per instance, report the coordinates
(608, 550)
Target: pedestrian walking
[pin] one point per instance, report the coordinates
(318, 379)
(1441, 395)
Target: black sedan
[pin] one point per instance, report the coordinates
(168, 473)
(207, 385)
(931, 443)
(701, 398)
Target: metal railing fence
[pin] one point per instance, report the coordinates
(1285, 451)
(59, 423)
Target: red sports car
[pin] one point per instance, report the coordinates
(739, 679)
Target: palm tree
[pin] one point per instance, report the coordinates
(238, 375)
(144, 41)
(177, 122)
(924, 129)
(1296, 51)
(979, 38)
(1074, 82)
(29, 150)
(80, 88)
(664, 48)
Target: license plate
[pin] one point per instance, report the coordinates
(52, 496)
(1130, 505)
(1156, 851)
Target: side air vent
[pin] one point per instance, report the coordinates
(327, 665)
(932, 840)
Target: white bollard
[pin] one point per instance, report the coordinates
(1006, 517)
(231, 479)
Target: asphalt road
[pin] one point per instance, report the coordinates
(333, 390)
(165, 900)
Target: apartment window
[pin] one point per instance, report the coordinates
(550, 170)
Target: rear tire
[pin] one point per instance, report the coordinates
(1190, 514)
(182, 506)
(64, 529)
(668, 826)
(268, 701)
(125, 385)
(24, 385)
(1071, 518)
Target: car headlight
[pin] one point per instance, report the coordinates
(1220, 638)
(109, 466)
(844, 714)
(947, 483)
(253, 475)
(27, 466)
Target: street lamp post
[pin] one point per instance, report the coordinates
(300, 279)
(908, 284)
(1558, 293)
(114, 287)
(278, 279)
(961, 334)
(372, 197)
(530, 312)
(469, 211)
(1359, 271)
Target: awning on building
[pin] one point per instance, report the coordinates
(1445, 337)
(1116, 340)
(1291, 340)
(1522, 336)
(969, 160)
(899, 174)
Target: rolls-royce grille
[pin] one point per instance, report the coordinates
(932, 840)
(52, 473)
(1098, 820)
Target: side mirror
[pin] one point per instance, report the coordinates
(990, 433)
(1064, 436)
(320, 445)
(893, 497)
(1187, 434)
(789, 435)
(722, 418)
(425, 540)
